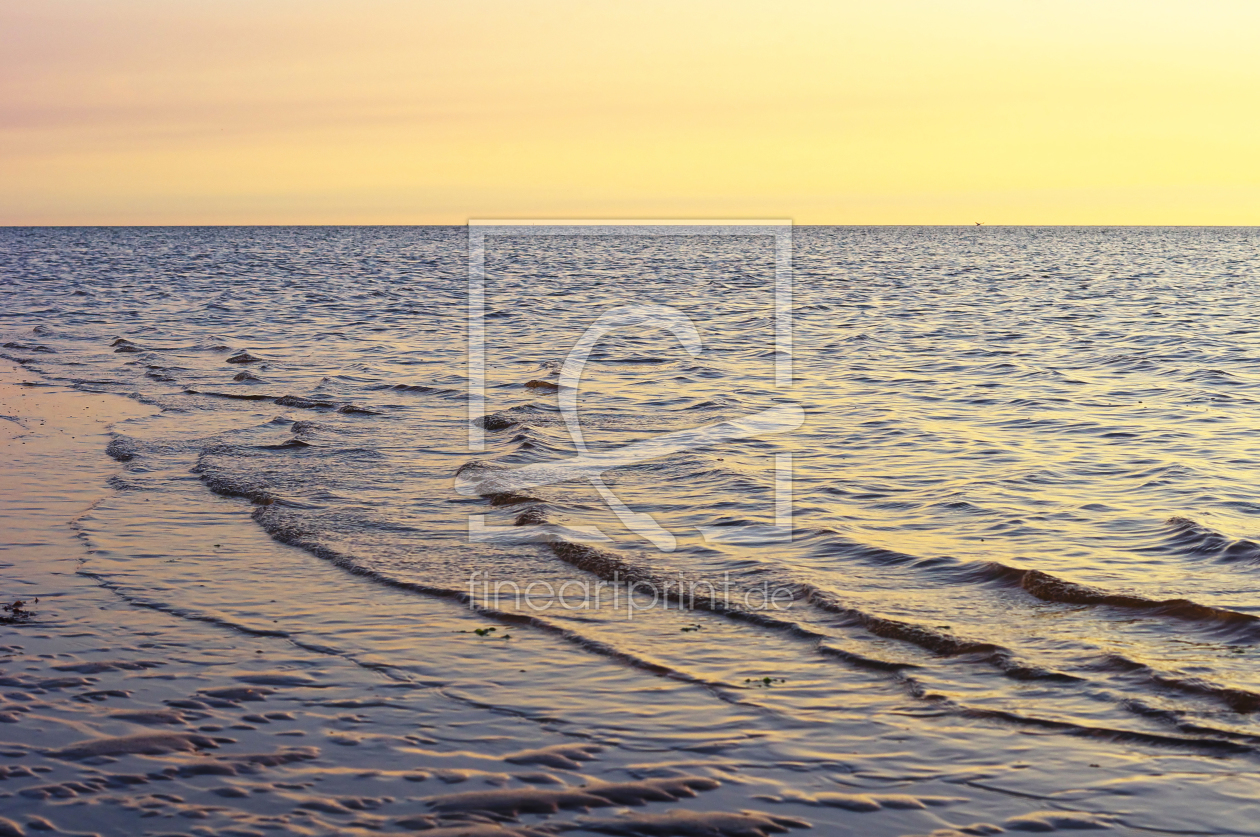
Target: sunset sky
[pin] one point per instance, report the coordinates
(881, 112)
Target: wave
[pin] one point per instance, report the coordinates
(541, 386)
(1239, 700)
(613, 567)
(281, 530)
(419, 389)
(239, 396)
(1213, 745)
(1193, 538)
(511, 417)
(304, 403)
(122, 448)
(1047, 587)
(1051, 588)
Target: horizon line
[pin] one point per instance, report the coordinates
(627, 222)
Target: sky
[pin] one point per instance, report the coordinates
(840, 112)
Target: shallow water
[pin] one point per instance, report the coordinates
(1023, 494)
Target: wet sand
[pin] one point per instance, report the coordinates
(122, 719)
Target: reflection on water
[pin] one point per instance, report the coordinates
(1024, 491)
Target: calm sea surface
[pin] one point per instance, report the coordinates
(1025, 502)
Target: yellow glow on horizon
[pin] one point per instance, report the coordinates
(897, 111)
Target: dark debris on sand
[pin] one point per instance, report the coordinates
(16, 613)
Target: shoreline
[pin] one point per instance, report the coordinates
(120, 718)
(187, 674)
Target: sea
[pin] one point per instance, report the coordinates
(885, 503)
